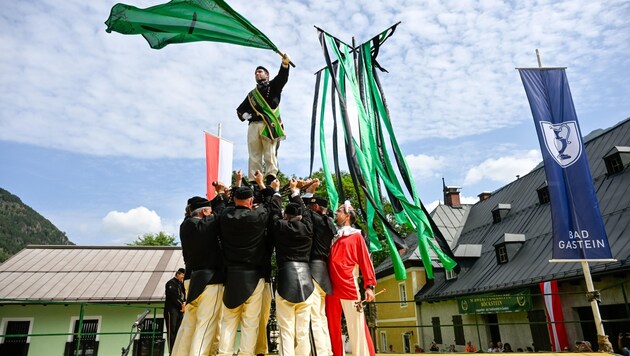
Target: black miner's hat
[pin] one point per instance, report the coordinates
(199, 203)
(243, 193)
(293, 209)
(316, 200)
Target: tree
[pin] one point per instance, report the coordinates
(159, 239)
(3, 255)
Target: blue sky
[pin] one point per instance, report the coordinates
(104, 136)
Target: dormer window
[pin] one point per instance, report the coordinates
(499, 212)
(496, 216)
(502, 256)
(543, 195)
(617, 159)
(450, 274)
(508, 246)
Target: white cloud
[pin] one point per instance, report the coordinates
(133, 223)
(503, 169)
(78, 88)
(432, 205)
(423, 166)
(72, 86)
(468, 200)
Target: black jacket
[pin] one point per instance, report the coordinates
(246, 249)
(271, 91)
(201, 247)
(293, 238)
(175, 294)
(323, 232)
(244, 234)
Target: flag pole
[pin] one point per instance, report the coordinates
(282, 55)
(219, 131)
(593, 297)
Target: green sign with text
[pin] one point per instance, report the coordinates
(518, 301)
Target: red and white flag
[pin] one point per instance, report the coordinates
(218, 162)
(553, 308)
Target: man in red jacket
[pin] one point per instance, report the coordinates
(348, 255)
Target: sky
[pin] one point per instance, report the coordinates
(103, 135)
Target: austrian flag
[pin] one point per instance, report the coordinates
(553, 309)
(218, 162)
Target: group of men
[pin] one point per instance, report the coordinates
(228, 244)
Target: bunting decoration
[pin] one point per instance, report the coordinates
(352, 73)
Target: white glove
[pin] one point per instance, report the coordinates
(246, 116)
(286, 60)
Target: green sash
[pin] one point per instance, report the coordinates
(273, 123)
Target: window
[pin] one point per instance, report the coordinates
(383, 341)
(543, 195)
(87, 343)
(496, 216)
(437, 332)
(402, 290)
(145, 342)
(502, 256)
(407, 342)
(614, 164)
(458, 329)
(15, 345)
(500, 211)
(450, 274)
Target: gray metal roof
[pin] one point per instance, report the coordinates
(531, 264)
(450, 221)
(89, 273)
(464, 250)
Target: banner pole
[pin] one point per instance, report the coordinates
(219, 131)
(594, 297)
(282, 55)
(538, 57)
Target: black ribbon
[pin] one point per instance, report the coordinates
(314, 120)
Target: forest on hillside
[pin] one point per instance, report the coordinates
(20, 225)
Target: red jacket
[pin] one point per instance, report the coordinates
(348, 255)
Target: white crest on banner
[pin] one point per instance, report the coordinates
(563, 141)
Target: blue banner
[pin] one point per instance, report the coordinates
(578, 228)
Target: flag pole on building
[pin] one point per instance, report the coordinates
(576, 236)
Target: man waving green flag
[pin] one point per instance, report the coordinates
(180, 21)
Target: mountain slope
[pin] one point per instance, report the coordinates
(20, 225)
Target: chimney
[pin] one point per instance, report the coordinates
(451, 195)
(484, 195)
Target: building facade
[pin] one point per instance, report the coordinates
(504, 247)
(68, 300)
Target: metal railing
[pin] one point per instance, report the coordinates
(145, 333)
(616, 319)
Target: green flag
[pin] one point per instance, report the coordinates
(180, 21)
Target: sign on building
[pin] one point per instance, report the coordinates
(518, 301)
